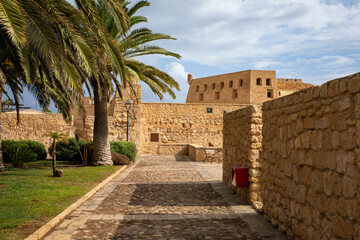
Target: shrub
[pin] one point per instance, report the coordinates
(126, 148)
(69, 151)
(38, 149)
(119, 159)
(20, 153)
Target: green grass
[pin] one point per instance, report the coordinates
(31, 196)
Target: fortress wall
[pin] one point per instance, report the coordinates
(182, 123)
(241, 147)
(33, 125)
(311, 161)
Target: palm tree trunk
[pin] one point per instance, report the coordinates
(2, 167)
(101, 146)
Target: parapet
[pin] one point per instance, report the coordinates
(295, 80)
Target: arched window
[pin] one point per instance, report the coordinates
(197, 89)
(213, 86)
(201, 97)
(231, 83)
(222, 85)
(258, 81)
(205, 87)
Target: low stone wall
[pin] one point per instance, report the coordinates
(173, 149)
(311, 161)
(198, 153)
(241, 147)
(33, 125)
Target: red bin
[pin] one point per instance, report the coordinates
(240, 176)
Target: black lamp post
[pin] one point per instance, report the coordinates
(127, 106)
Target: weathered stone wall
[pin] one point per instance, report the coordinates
(311, 161)
(241, 147)
(182, 123)
(198, 153)
(34, 126)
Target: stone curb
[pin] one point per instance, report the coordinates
(49, 225)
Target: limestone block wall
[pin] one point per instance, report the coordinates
(34, 125)
(182, 124)
(241, 147)
(311, 161)
(198, 153)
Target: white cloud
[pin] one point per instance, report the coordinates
(228, 32)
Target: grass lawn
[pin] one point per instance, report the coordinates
(30, 197)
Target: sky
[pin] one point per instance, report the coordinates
(315, 40)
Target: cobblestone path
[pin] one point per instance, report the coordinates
(165, 197)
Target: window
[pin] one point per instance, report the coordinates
(209, 110)
(268, 82)
(205, 87)
(222, 85)
(197, 89)
(201, 96)
(241, 83)
(154, 137)
(279, 93)
(231, 84)
(217, 95)
(270, 93)
(235, 94)
(213, 86)
(258, 81)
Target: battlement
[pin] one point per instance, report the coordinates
(295, 80)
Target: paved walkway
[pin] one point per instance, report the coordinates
(165, 198)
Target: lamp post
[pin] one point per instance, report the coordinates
(127, 106)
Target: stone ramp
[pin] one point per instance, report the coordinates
(165, 197)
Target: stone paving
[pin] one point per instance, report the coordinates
(165, 197)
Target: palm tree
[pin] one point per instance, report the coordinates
(56, 136)
(124, 46)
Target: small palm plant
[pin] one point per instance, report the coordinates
(55, 136)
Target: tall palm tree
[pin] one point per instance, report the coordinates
(42, 48)
(125, 45)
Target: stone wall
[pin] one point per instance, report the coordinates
(198, 153)
(182, 124)
(33, 125)
(241, 147)
(311, 161)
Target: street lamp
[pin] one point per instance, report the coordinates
(127, 106)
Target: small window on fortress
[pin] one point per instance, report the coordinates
(258, 81)
(201, 97)
(279, 93)
(213, 86)
(205, 87)
(222, 85)
(197, 89)
(268, 82)
(241, 83)
(154, 137)
(270, 93)
(235, 94)
(217, 95)
(231, 84)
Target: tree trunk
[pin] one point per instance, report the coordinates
(2, 167)
(101, 146)
(54, 157)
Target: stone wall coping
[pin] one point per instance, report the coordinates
(203, 147)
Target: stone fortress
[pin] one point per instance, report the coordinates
(301, 150)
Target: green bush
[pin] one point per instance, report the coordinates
(69, 151)
(126, 148)
(38, 149)
(20, 153)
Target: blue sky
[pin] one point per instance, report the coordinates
(316, 40)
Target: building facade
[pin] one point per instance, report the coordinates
(245, 87)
